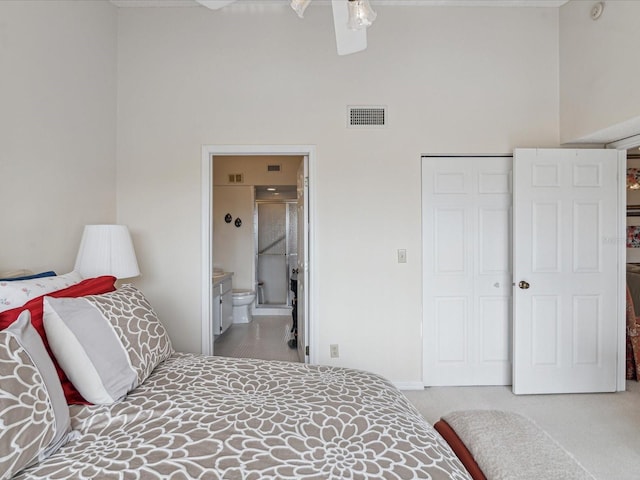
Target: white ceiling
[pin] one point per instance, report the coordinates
(425, 3)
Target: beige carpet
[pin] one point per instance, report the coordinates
(602, 431)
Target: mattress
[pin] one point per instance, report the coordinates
(205, 417)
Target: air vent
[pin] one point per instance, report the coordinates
(236, 178)
(274, 168)
(366, 117)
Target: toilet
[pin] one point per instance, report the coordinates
(242, 303)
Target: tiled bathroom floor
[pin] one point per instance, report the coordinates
(265, 338)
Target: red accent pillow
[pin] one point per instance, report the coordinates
(89, 286)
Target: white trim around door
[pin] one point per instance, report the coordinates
(208, 152)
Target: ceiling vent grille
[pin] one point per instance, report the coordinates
(367, 117)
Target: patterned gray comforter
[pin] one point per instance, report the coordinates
(199, 417)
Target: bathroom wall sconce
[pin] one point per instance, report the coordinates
(228, 218)
(238, 222)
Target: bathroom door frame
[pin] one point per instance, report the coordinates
(207, 254)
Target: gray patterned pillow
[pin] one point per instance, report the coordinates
(34, 416)
(106, 344)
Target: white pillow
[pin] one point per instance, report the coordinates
(16, 293)
(106, 344)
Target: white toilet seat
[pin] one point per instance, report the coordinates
(241, 297)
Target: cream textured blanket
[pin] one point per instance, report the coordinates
(508, 446)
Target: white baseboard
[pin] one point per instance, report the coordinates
(271, 311)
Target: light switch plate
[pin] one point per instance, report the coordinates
(402, 255)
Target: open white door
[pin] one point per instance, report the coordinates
(303, 260)
(566, 243)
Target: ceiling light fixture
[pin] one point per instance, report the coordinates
(271, 189)
(361, 15)
(299, 6)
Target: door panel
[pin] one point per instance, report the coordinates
(566, 321)
(467, 270)
(452, 318)
(495, 240)
(546, 323)
(303, 260)
(495, 316)
(586, 254)
(450, 234)
(545, 236)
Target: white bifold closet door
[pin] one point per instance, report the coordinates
(565, 244)
(466, 213)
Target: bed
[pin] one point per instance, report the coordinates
(182, 415)
(212, 417)
(92, 388)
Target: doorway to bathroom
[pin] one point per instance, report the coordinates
(253, 223)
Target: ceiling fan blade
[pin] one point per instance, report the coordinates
(215, 4)
(348, 41)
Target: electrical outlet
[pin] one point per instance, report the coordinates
(333, 350)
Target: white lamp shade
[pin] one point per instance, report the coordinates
(106, 250)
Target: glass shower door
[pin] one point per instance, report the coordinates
(272, 261)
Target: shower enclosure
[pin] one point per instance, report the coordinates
(277, 252)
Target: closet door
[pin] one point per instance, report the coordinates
(466, 222)
(568, 319)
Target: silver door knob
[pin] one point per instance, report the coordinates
(523, 285)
